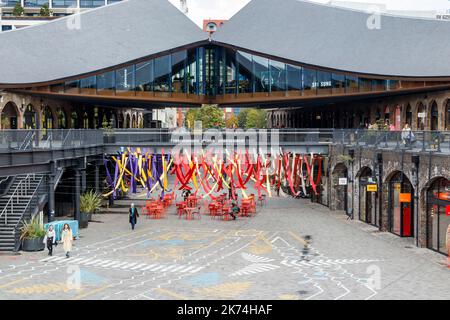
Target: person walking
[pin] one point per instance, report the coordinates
(407, 135)
(67, 239)
(133, 216)
(234, 210)
(50, 239)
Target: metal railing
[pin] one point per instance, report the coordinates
(42, 139)
(171, 137)
(19, 192)
(419, 141)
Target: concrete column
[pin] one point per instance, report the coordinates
(97, 177)
(51, 197)
(83, 181)
(77, 194)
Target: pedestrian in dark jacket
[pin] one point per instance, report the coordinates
(133, 216)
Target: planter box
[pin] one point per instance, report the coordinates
(84, 220)
(33, 245)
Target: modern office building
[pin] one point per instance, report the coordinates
(310, 65)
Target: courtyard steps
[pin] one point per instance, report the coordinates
(19, 194)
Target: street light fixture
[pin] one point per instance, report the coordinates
(351, 153)
(416, 161)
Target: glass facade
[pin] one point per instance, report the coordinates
(226, 74)
(438, 200)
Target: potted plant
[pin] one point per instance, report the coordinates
(32, 235)
(90, 202)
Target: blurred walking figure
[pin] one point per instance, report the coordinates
(50, 239)
(306, 248)
(67, 239)
(133, 216)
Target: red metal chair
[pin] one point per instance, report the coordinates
(226, 213)
(245, 209)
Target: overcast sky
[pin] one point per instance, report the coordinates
(225, 9)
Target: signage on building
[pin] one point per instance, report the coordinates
(447, 210)
(321, 84)
(422, 115)
(372, 188)
(343, 181)
(405, 197)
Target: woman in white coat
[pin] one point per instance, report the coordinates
(67, 239)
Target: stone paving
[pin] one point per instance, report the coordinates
(252, 258)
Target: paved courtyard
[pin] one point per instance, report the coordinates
(252, 258)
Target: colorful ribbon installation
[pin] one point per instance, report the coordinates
(208, 174)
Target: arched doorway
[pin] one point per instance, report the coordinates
(438, 200)
(74, 120)
(434, 117)
(421, 116)
(62, 119)
(447, 115)
(47, 118)
(387, 114)
(30, 118)
(134, 122)
(367, 199)
(128, 121)
(340, 185)
(114, 120)
(408, 115)
(398, 118)
(400, 205)
(121, 121)
(85, 120)
(9, 116)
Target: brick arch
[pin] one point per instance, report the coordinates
(339, 194)
(10, 107)
(421, 106)
(446, 114)
(433, 106)
(361, 170)
(339, 165)
(392, 173)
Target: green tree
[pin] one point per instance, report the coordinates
(211, 116)
(191, 117)
(45, 11)
(231, 122)
(252, 118)
(242, 118)
(18, 10)
(256, 119)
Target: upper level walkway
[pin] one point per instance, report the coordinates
(36, 151)
(413, 141)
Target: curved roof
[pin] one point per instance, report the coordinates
(337, 38)
(106, 37)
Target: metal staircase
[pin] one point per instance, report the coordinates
(18, 204)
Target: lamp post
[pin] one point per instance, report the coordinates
(380, 188)
(416, 161)
(351, 153)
